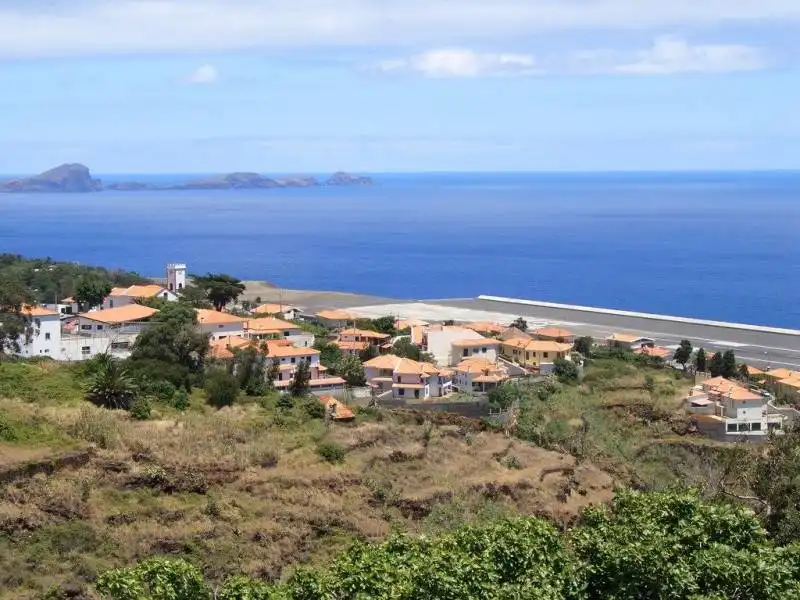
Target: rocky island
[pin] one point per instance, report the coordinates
(76, 178)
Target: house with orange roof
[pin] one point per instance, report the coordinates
(354, 341)
(44, 333)
(285, 356)
(407, 378)
(281, 311)
(478, 376)
(219, 324)
(270, 328)
(450, 344)
(403, 324)
(554, 334)
(774, 376)
(664, 354)
(122, 296)
(537, 355)
(337, 410)
(730, 409)
(335, 318)
(789, 388)
(629, 341)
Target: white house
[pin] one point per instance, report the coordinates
(120, 296)
(451, 344)
(220, 325)
(407, 378)
(335, 318)
(478, 375)
(628, 341)
(45, 333)
(736, 410)
(270, 328)
(99, 331)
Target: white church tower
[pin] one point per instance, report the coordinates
(176, 277)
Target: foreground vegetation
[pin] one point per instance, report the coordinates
(642, 546)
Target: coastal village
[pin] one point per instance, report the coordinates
(459, 364)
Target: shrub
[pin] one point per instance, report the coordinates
(565, 370)
(95, 426)
(140, 409)
(314, 408)
(285, 402)
(163, 390)
(221, 389)
(180, 400)
(331, 452)
(512, 462)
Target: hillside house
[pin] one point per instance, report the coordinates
(554, 334)
(270, 328)
(220, 325)
(354, 341)
(44, 337)
(282, 311)
(478, 376)
(408, 378)
(629, 341)
(122, 296)
(335, 318)
(538, 355)
(439, 340)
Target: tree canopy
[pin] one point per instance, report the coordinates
(220, 289)
(14, 324)
(683, 353)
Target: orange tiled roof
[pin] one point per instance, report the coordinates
(387, 361)
(781, 373)
(730, 389)
(37, 311)
(553, 332)
(409, 323)
(365, 333)
(538, 345)
(485, 327)
(120, 314)
(476, 342)
(138, 291)
(284, 351)
(215, 317)
(352, 345)
(336, 315)
(268, 325)
(793, 382)
(341, 412)
(664, 353)
(272, 309)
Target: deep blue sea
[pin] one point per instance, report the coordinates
(721, 246)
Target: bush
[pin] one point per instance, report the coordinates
(180, 401)
(96, 426)
(285, 402)
(314, 408)
(221, 389)
(331, 452)
(163, 390)
(140, 409)
(565, 370)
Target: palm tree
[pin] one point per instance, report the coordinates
(111, 386)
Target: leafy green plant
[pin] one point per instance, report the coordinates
(155, 579)
(111, 386)
(331, 452)
(221, 388)
(140, 409)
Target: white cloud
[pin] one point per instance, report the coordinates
(460, 62)
(81, 27)
(670, 54)
(203, 75)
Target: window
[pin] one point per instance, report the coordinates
(86, 327)
(293, 360)
(755, 427)
(744, 427)
(546, 355)
(466, 352)
(99, 328)
(180, 286)
(85, 350)
(401, 392)
(120, 345)
(285, 334)
(47, 336)
(110, 304)
(483, 350)
(731, 428)
(416, 393)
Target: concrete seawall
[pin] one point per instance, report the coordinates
(639, 315)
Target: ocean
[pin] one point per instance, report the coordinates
(722, 246)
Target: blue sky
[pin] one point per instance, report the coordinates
(399, 85)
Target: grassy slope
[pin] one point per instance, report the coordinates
(243, 489)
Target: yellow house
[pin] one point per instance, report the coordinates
(534, 353)
(774, 376)
(789, 388)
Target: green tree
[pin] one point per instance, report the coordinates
(90, 290)
(329, 356)
(716, 365)
(583, 345)
(220, 289)
(404, 348)
(111, 386)
(369, 353)
(249, 367)
(684, 353)
(351, 369)
(15, 324)
(744, 373)
(173, 339)
(520, 323)
(701, 361)
(384, 325)
(195, 297)
(503, 396)
(566, 370)
(221, 388)
(299, 386)
(728, 364)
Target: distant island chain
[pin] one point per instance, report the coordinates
(76, 178)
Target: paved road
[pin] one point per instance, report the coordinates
(759, 348)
